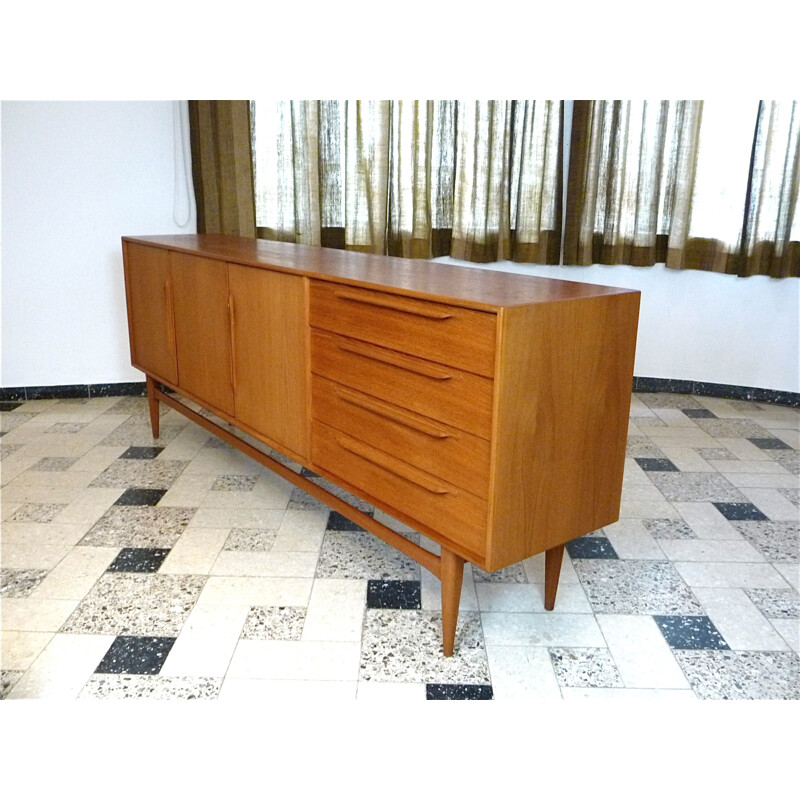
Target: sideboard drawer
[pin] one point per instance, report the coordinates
(448, 334)
(453, 455)
(458, 398)
(455, 513)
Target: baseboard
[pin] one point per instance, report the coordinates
(71, 391)
(722, 390)
(640, 384)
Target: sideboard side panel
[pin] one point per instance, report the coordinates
(565, 374)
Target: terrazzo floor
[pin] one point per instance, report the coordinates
(178, 568)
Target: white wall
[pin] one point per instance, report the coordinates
(700, 326)
(77, 176)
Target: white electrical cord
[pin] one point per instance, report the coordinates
(181, 168)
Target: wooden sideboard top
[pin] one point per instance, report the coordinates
(483, 289)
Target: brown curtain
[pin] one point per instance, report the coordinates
(709, 185)
(222, 170)
(479, 181)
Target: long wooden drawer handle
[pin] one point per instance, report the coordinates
(393, 414)
(392, 465)
(394, 303)
(386, 357)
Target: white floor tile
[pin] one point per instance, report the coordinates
(549, 629)
(521, 673)
(640, 652)
(740, 623)
(335, 610)
(284, 660)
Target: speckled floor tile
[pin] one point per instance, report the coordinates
(656, 465)
(136, 604)
(13, 419)
(141, 473)
(724, 428)
(338, 522)
(458, 691)
(690, 632)
(740, 511)
(668, 400)
(138, 559)
(394, 594)
(584, 666)
(669, 529)
(792, 495)
(8, 679)
(251, 539)
(776, 603)
(405, 646)
(274, 622)
(300, 500)
(66, 427)
(150, 687)
(37, 512)
(776, 541)
(513, 574)
(20, 582)
(136, 655)
(635, 587)
(586, 547)
(788, 459)
(53, 464)
(144, 453)
(138, 526)
(140, 497)
(136, 432)
(718, 453)
(685, 487)
(741, 675)
(9, 449)
(642, 447)
(354, 554)
(234, 483)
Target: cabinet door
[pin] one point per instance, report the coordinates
(270, 352)
(147, 285)
(202, 329)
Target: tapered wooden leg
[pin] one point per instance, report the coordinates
(552, 570)
(153, 403)
(452, 576)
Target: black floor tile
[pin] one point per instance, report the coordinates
(138, 559)
(458, 691)
(690, 632)
(740, 511)
(141, 452)
(769, 443)
(656, 465)
(338, 522)
(591, 547)
(140, 497)
(136, 655)
(699, 413)
(394, 594)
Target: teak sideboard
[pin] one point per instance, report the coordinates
(486, 410)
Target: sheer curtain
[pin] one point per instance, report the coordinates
(477, 180)
(710, 185)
